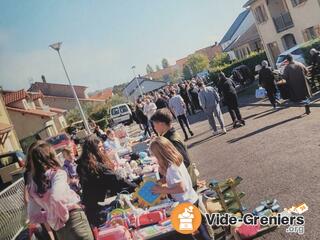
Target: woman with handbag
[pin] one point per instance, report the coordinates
(50, 198)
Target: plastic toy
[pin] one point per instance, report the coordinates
(145, 195)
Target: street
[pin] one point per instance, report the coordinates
(276, 153)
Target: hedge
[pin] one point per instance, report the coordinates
(251, 61)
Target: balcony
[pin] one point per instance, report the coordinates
(283, 22)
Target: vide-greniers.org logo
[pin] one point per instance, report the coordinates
(295, 223)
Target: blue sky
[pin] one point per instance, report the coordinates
(102, 39)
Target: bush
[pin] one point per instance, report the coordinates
(251, 61)
(306, 49)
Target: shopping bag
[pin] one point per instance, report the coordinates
(261, 92)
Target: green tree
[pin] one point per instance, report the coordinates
(149, 69)
(220, 60)
(118, 89)
(187, 74)
(198, 63)
(158, 68)
(175, 76)
(165, 63)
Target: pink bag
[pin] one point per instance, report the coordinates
(112, 233)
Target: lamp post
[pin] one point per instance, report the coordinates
(137, 81)
(57, 46)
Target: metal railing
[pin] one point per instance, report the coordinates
(12, 210)
(283, 22)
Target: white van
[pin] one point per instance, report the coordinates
(121, 114)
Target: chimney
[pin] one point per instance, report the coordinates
(43, 79)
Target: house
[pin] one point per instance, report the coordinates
(8, 137)
(61, 95)
(242, 37)
(104, 95)
(141, 85)
(166, 74)
(246, 43)
(283, 24)
(31, 116)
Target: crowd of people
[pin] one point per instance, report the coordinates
(64, 199)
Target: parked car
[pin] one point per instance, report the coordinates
(10, 162)
(61, 141)
(121, 114)
(296, 53)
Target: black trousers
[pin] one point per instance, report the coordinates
(271, 96)
(184, 121)
(234, 113)
(146, 129)
(188, 106)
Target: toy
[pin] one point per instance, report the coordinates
(147, 218)
(112, 233)
(145, 195)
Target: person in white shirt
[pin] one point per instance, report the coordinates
(178, 181)
(178, 107)
(149, 109)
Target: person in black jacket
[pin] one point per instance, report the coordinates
(162, 101)
(267, 81)
(184, 94)
(230, 97)
(143, 119)
(97, 178)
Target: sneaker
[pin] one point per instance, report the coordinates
(215, 133)
(191, 133)
(243, 122)
(224, 130)
(235, 124)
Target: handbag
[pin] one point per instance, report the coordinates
(261, 92)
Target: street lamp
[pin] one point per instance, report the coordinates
(135, 76)
(57, 46)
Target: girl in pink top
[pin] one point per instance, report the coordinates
(50, 198)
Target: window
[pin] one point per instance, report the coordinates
(260, 14)
(288, 41)
(311, 33)
(297, 2)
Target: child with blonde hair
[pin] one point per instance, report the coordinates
(178, 181)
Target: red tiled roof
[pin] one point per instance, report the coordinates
(36, 112)
(36, 95)
(103, 95)
(12, 97)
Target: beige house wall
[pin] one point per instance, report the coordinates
(67, 103)
(304, 16)
(28, 124)
(12, 142)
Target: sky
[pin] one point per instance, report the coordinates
(102, 39)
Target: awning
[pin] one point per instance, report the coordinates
(4, 132)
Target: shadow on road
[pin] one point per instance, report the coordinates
(269, 112)
(264, 129)
(201, 141)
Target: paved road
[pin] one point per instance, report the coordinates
(276, 153)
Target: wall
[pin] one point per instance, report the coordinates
(27, 124)
(303, 16)
(12, 142)
(66, 103)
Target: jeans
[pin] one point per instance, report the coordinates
(184, 121)
(76, 228)
(217, 112)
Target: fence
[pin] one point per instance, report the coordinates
(12, 211)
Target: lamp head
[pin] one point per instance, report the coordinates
(56, 46)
